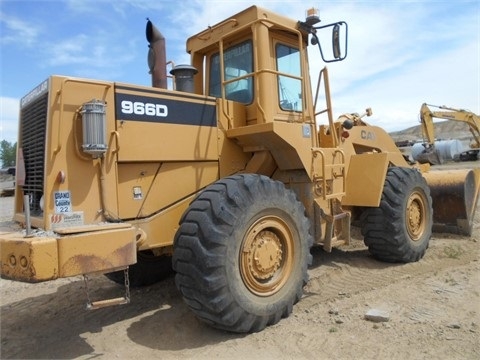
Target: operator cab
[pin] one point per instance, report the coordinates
(258, 60)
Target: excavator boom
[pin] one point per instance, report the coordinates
(429, 155)
(455, 192)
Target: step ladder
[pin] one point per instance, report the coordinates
(331, 169)
(336, 236)
(93, 305)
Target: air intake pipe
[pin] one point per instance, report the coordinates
(157, 59)
(183, 75)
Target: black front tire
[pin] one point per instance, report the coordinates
(399, 230)
(241, 253)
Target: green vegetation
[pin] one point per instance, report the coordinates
(8, 153)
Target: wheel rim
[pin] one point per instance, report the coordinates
(416, 216)
(266, 256)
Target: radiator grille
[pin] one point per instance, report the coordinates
(33, 120)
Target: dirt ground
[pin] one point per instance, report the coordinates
(432, 307)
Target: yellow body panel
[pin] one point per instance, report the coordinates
(141, 142)
(161, 227)
(145, 189)
(41, 258)
(289, 143)
(65, 166)
(29, 259)
(100, 251)
(372, 139)
(365, 179)
(165, 141)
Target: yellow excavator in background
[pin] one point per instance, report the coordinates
(426, 116)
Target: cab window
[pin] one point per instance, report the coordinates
(289, 88)
(238, 62)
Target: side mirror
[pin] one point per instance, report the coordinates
(336, 41)
(339, 37)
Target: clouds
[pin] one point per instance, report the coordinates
(400, 54)
(8, 119)
(438, 82)
(17, 31)
(86, 55)
(404, 54)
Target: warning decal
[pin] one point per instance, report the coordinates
(67, 219)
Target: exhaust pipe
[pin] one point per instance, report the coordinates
(157, 59)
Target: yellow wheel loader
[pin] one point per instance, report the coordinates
(229, 174)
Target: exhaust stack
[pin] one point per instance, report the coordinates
(157, 59)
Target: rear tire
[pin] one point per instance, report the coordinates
(241, 253)
(148, 270)
(399, 230)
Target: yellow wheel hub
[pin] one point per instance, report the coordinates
(266, 256)
(415, 216)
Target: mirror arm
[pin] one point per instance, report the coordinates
(303, 26)
(336, 24)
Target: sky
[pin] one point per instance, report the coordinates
(400, 53)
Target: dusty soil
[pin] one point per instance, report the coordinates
(433, 310)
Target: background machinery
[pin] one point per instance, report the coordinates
(229, 173)
(430, 155)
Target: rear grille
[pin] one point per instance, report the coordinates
(33, 121)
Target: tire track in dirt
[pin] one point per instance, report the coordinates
(347, 272)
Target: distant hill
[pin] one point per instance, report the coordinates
(444, 130)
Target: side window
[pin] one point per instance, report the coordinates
(215, 86)
(238, 62)
(289, 88)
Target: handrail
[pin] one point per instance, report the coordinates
(328, 110)
(324, 167)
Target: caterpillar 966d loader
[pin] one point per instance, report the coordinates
(229, 173)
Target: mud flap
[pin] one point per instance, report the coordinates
(455, 195)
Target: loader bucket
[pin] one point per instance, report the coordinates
(454, 196)
(429, 157)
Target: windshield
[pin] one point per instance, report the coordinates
(238, 62)
(289, 88)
